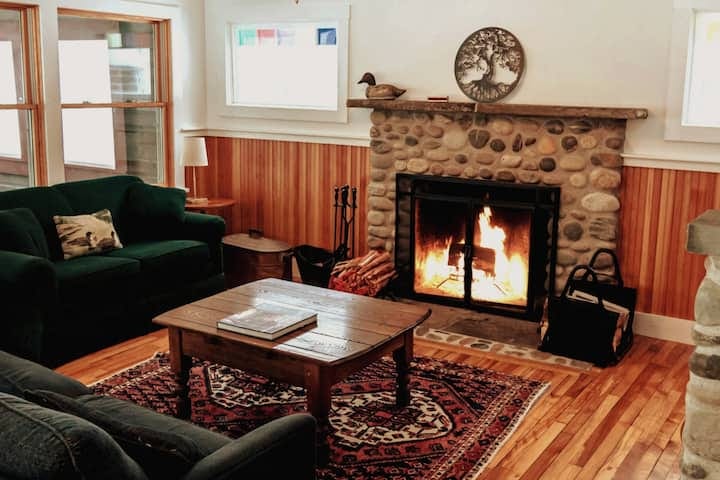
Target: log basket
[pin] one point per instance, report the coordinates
(315, 264)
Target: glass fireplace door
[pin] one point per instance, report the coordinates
(500, 255)
(439, 247)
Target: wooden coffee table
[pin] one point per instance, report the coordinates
(352, 331)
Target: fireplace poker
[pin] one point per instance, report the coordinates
(352, 220)
(336, 206)
(341, 250)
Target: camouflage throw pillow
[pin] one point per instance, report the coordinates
(86, 234)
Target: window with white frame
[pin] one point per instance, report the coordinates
(693, 103)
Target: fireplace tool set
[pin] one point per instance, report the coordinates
(315, 263)
(344, 224)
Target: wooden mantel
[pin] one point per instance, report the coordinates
(501, 108)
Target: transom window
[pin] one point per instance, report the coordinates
(285, 65)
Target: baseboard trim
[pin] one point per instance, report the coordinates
(664, 328)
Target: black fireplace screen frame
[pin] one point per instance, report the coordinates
(542, 201)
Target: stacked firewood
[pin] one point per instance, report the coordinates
(363, 275)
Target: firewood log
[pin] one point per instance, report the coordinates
(365, 275)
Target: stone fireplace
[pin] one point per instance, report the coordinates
(577, 149)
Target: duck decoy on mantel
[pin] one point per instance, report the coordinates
(383, 91)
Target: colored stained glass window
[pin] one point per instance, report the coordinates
(286, 37)
(246, 38)
(326, 36)
(266, 36)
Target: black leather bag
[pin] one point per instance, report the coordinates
(590, 331)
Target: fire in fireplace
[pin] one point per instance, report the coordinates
(486, 245)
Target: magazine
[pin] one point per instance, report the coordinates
(267, 321)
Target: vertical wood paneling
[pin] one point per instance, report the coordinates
(285, 188)
(657, 205)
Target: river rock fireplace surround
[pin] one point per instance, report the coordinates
(574, 149)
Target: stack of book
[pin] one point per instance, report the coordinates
(267, 321)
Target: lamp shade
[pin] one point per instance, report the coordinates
(194, 152)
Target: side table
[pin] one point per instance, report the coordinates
(248, 259)
(214, 206)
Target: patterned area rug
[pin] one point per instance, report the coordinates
(519, 351)
(458, 418)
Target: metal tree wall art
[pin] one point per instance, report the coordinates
(489, 64)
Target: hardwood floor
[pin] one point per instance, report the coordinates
(623, 422)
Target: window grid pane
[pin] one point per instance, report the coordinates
(100, 142)
(117, 59)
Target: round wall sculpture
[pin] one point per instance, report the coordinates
(489, 64)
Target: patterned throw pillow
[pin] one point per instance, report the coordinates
(86, 234)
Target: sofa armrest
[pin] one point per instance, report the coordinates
(21, 271)
(209, 229)
(283, 448)
(28, 295)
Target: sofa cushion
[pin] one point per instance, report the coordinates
(86, 234)
(45, 202)
(153, 213)
(83, 278)
(37, 442)
(18, 375)
(160, 453)
(168, 262)
(87, 196)
(206, 441)
(21, 232)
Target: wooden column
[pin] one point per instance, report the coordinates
(701, 435)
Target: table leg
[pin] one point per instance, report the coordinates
(317, 384)
(180, 365)
(403, 356)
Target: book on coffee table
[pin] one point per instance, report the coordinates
(267, 321)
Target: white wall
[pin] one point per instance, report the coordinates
(578, 52)
(188, 56)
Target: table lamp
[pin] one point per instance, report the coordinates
(195, 155)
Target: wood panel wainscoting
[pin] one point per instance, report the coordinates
(657, 205)
(285, 189)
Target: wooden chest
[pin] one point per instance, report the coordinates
(247, 259)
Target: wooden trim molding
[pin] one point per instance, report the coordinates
(165, 84)
(115, 105)
(37, 94)
(120, 17)
(502, 108)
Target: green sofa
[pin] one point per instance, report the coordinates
(55, 310)
(54, 427)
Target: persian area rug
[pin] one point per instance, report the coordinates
(458, 417)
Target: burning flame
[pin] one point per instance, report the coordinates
(505, 281)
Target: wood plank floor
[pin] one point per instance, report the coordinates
(623, 422)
